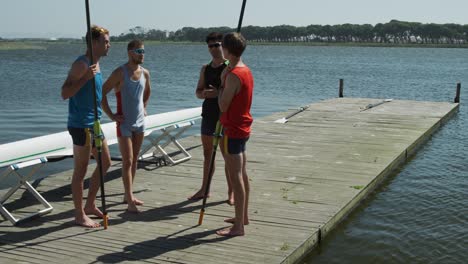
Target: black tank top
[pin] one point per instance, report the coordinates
(210, 108)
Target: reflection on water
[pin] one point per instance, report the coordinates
(417, 216)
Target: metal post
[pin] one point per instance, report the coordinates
(457, 96)
(340, 94)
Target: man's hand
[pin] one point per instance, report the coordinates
(212, 92)
(118, 118)
(91, 72)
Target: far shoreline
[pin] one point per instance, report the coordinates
(43, 44)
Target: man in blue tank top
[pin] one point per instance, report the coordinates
(79, 90)
(132, 87)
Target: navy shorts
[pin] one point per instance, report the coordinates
(208, 126)
(234, 145)
(82, 136)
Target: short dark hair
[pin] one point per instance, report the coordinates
(214, 36)
(134, 44)
(235, 43)
(96, 32)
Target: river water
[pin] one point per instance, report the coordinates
(419, 215)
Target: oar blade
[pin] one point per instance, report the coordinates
(281, 120)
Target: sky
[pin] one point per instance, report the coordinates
(67, 18)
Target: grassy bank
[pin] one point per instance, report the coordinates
(319, 44)
(361, 44)
(21, 45)
(18, 45)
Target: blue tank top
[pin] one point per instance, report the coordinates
(81, 105)
(130, 100)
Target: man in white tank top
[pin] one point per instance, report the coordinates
(132, 87)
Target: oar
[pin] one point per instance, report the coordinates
(97, 125)
(369, 106)
(285, 119)
(216, 137)
(241, 17)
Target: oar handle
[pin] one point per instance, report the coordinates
(297, 111)
(241, 17)
(90, 37)
(200, 218)
(106, 221)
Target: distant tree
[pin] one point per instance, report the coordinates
(314, 31)
(156, 34)
(394, 31)
(327, 32)
(255, 33)
(365, 32)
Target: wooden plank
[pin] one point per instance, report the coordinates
(306, 176)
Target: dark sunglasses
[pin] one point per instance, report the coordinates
(139, 51)
(214, 45)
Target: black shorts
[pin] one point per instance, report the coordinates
(208, 126)
(82, 136)
(234, 145)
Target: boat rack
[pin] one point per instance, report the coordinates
(23, 182)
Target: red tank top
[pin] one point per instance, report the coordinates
(237, 119)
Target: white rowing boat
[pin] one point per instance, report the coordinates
(34, 152)
(60, 144)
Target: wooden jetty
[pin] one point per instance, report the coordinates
(306, 176)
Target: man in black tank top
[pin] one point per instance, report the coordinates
(207, 89)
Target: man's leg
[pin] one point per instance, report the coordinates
(207, 142)
(230, 200)
(234, 162)
(95, 184)
(137, 140)
(81, 160)
(126, 150)
(246, 182)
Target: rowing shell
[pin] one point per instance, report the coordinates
(60, 144)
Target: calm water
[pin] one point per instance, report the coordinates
(420, 215)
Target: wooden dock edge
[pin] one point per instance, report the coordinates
(314, 240)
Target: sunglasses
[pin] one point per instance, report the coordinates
(214, 45)
(139, 51)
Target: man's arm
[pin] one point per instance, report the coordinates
(79, 74)
(201, 84)
(111, 83)
(147, 92)
(231, 88)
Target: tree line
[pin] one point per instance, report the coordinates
(392, 32)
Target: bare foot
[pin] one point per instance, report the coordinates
(93, 211)
(230, 232)
(133, 209)
(85, 221)
(136, 201)
(232, 220)
(198, 195)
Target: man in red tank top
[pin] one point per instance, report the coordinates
(235, 100)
